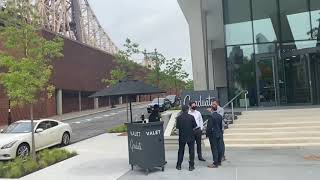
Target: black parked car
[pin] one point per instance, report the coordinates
(164, 104)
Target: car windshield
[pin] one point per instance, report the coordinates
(171, 97)
(19, 127)
(155, 101)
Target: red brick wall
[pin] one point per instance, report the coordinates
(81, 69)
(42, 109)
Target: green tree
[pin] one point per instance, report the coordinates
(189, 85)
(125, 63)
(175, 72)
(156, 76)
(28, 71)
(116, 75)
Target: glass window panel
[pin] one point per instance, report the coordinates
(315, 19)
(238, 24)
(265, 21)
(241, 71)
(295, 20)
(265, 48)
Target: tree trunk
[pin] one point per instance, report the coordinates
(175, 84)
(33, 148)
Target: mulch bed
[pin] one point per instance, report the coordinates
(312, 158)
(123, 134)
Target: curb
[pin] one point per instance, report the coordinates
(96, 112)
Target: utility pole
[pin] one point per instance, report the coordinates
(157, 66)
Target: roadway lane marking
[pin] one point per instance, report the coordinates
(88, 120)
(113, 114)
(78, 122)
(99, 117)
(107, 115)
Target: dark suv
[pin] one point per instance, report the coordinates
(164, 104)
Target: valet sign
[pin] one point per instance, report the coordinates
(203, 99)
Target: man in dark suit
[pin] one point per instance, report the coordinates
(186, 125)
(155, 115)
(215, 135)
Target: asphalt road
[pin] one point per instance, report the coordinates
(93, 125)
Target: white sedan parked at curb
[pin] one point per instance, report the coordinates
(15, 140)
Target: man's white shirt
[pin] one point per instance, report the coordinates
(198, 117)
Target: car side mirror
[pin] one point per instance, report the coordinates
(40, 130)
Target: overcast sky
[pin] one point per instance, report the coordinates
(151, 23)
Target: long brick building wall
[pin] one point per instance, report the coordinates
(78, 73)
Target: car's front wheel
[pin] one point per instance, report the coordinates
(65, 139)
(23, 150)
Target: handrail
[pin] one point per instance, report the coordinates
(228, 103)
(235, 97)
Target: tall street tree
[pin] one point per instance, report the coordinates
(26, 57)
(176, 74)
(124, 62)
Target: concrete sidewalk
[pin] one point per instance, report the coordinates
(281, 164)
(104, 157)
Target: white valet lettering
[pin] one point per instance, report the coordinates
(153, 133)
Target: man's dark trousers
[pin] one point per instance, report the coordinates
(198, 137)
(216, 144)
(182, 145)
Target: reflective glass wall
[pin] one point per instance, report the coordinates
(277, 30)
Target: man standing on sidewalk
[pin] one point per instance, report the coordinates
(198, 131)
(214, 133)
(220, 110)
(186, 125)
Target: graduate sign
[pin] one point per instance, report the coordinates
(203, 99)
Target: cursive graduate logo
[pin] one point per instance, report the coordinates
(134, 145)
(201, 102)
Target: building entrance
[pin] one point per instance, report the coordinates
(266, 80)
(315, 77)
(292, 79)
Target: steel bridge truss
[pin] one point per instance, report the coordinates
(74, 19)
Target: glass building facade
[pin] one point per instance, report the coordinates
(273, 50)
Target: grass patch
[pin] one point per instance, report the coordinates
(175, 108)
(118, 129)
(20, 167)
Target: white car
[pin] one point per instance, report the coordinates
(15, 140)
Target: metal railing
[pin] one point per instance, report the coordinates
(245, 92)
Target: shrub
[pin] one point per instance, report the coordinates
(46, 156)
(29, 166)
(119, 129)
(14, 172)
(14, 169)
(175, 108)
(2, 169)
(60, 155)
(21, 167)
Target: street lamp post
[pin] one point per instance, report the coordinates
(157, 66)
